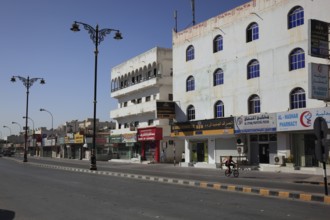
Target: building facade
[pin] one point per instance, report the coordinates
(240, 75)
(143, 88)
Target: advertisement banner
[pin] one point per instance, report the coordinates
(148, 134)
(303, 119)
(318, 78)
(259, 123)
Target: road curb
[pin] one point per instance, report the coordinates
(305, 197)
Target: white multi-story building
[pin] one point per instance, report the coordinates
(242, 82)
(143, 87)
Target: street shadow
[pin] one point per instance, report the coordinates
(6, 214)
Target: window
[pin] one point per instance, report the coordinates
(253, 69)
(139, 100)
(133, 101)
(217, 44)
(254, 104)
(119, 126)
(297, 98)
(190, 112)
(170, 97)
(125, 104)
(218, 77)
(148, 98)
(296, 17)
(297, 59)
(126, 125)
(190, 84)
(252, 32)
(150, 122)
(190, 53)
(219, 109)
(136, 124)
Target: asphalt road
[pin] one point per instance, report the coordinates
(32, 192)
(271, 180)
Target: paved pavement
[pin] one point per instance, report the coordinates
(295, 186)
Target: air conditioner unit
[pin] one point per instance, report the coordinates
(278, 160)
(240, 149)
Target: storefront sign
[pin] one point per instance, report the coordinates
(318, 79)
(148, 134)
(165, 110)
(319, 39)
(78, 139)
(301, 119)
(259, 123)
(129, 138)
(204, 127)
(115, 139)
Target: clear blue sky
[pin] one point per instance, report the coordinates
(36, 41)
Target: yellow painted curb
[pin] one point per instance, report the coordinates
(217, 186)
(247, 189)
(264, 192)
(327, 199)
(283, 194)
(305, 197)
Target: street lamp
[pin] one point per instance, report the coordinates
(5, 126)
(31, 121)
(45, 110)
(20, 127)
(27, 82)
(97, 36)
(35, 142)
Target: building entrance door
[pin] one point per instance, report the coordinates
(263, 153)
(200, 152)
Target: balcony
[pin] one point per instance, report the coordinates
(141, 108)
(131, 87)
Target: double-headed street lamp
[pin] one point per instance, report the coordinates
(27, 82)
(97, 36)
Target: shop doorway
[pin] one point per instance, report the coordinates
(263, 153)
(310, 158)
(200, 152)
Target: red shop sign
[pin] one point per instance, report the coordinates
(150, 134)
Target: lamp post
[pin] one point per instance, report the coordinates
(20, 127)
(45, 110)
(5, 126)
(27, 82)
(32, 128)
(97, 36)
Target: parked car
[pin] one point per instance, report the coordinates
(7, 152)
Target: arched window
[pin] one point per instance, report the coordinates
(297, 59)
(252, 32)
(253, 69)
(190, 53)
(254, 104)
(297, 98)
(190, 84)
(217, 44)
(190, 112)
(219, 109)
(295, 17)
(218, 77)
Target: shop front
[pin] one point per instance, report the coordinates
(149, 139)
(205, 140)
(295, 128)
(256, 137)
